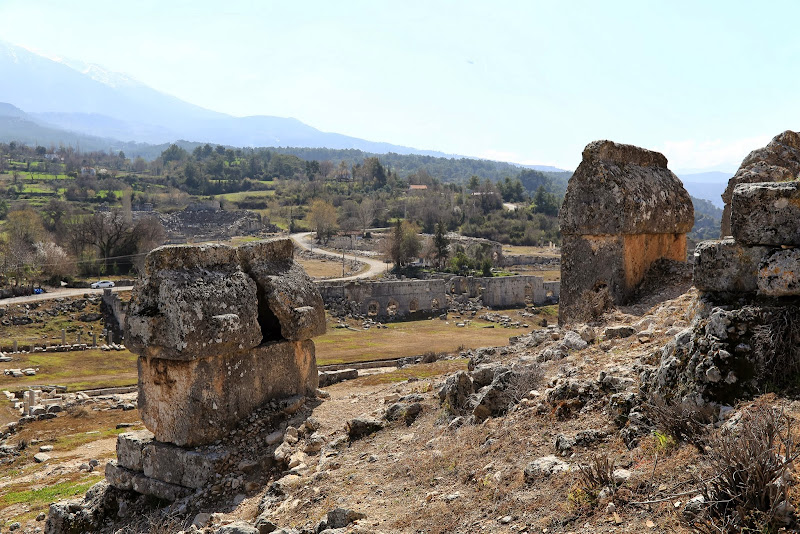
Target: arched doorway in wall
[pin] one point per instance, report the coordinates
(528, 294)
(373, 308)
(413, 306)
(392, 308)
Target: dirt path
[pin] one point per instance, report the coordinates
(376, 267)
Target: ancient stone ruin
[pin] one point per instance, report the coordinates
(220, 332)
(747, 333)
(623, 211)
(779, 161)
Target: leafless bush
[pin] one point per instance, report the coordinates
(591, 305)
(597, 474)
(748, 476)
(76, 410)
(686, 420)
(156, 523)
(523, 380)
(776, 346)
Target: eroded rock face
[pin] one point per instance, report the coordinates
(777, 162)
(291, 295)
(623, 211)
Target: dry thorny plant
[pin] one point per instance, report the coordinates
(748, 476)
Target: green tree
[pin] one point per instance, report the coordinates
(404, 243)
(441, 245)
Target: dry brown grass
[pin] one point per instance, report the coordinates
(410, 338)
(77, 370)
(322, 268)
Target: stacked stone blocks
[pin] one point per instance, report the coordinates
(220, 331)
(760, 258)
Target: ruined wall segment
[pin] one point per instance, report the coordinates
(623, 210)
(779, 161)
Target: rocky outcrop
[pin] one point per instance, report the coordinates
(779, 161)
(623, 210)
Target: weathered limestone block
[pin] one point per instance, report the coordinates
(623, 210)
(196, 402)
(779, 273)
(295, 307)
(777, 162)
(624, 189)
(724, 266)
(766, 214)
(130, 446)
(193, 302)
(126, 479)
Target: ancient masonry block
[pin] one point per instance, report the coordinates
(725, 266)
(766, 214)
(623, 210)
(764, 221)
(220, 332)
(779, 161)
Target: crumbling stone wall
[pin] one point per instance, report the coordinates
(506, 291)
(777, 162)
(220, 332)
(401, 298)
(396, 298)
(623, 210)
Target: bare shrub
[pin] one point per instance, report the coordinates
(597, 474)
(748, 476)
(686, 420)
(776, 346)
(76, 410)
(430, 357)
(523, 380)
(156, 523)
(591, 305)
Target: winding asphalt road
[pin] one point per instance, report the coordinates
(57, 293)
(376, 267)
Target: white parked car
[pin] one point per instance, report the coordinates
(102, 284)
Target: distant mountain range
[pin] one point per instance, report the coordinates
(707, 185)
(65, 101)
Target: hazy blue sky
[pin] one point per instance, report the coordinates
(524, 81)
